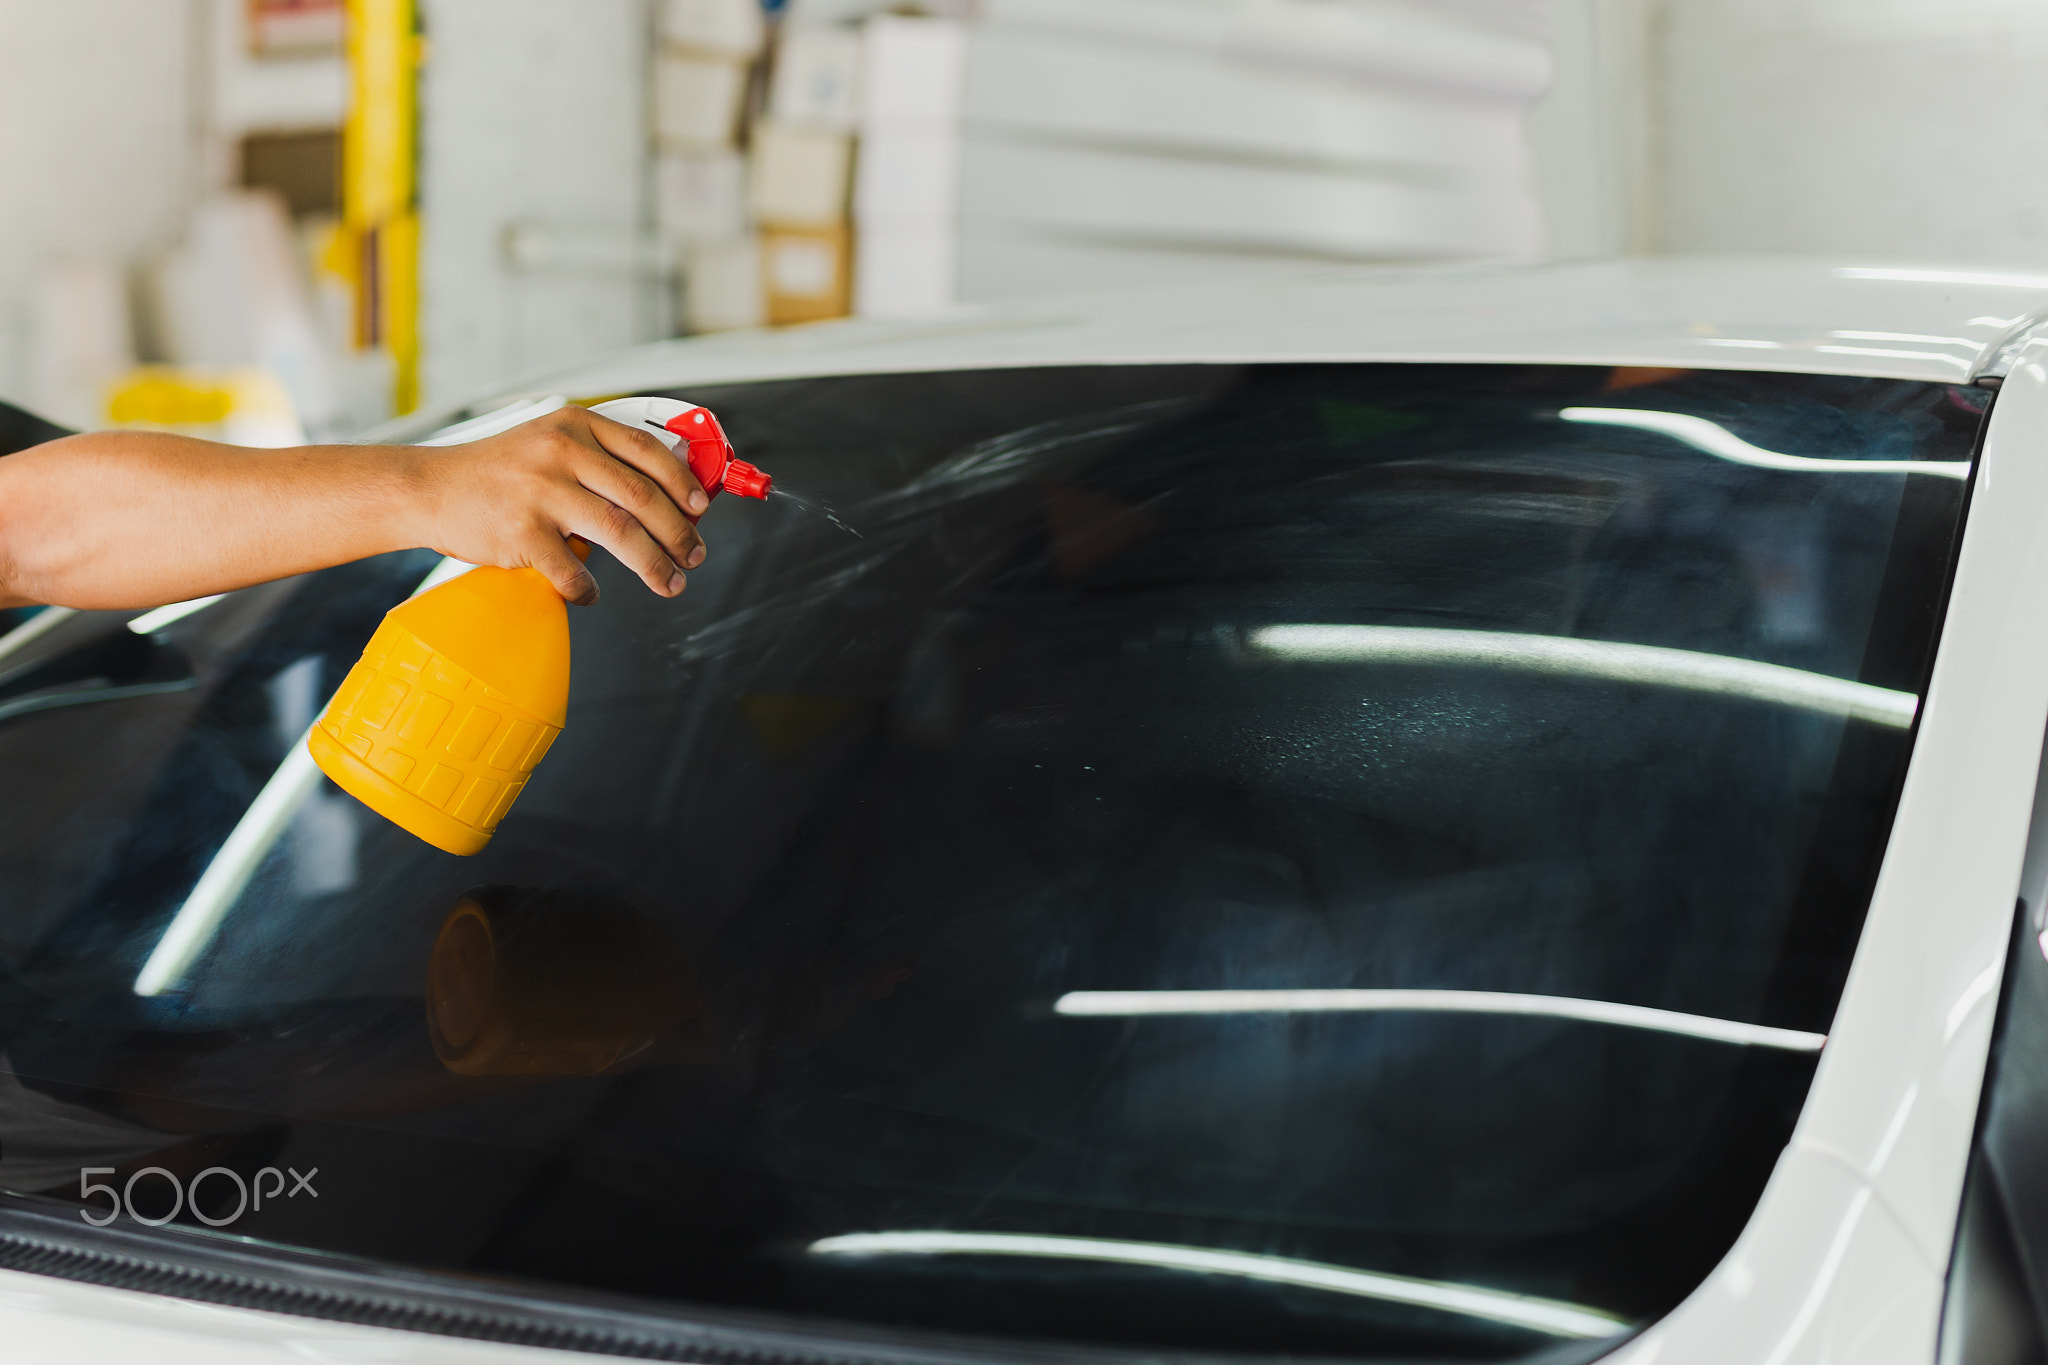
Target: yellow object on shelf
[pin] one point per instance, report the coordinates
(378, 187)
(161, 397)
(456, 698)
(246, 406)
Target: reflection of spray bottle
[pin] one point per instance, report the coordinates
(536, 982)
(462, 689)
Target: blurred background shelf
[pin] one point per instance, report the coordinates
(559, 178)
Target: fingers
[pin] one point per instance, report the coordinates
(627, 488)
(644, 451)
(577, 474)
(565, 571)
(603, 522)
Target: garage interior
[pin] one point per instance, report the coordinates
(279, 219)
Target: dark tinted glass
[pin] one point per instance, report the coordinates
(1296, 860)
(18, 431)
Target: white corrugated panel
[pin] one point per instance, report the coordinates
(1098, 141)
(1186, 101)
(1183, 203)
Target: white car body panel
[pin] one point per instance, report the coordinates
(1870, 319)
(1847, 1253)
(1857, 1223)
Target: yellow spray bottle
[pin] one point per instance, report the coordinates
(462, 689)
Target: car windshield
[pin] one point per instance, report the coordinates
(1296, 860)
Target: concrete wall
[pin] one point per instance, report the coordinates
(1594, 132)
(533, 124)
(96, 144)
(1865, 128)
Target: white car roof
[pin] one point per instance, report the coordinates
(1750, 314)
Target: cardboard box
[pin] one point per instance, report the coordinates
(910, 175)
(906, 197)
(722, 285)
(905, 271)
(913, 70)
(700, 195)
(697, 101)
(816, 78)
(807, 273)
(296, 28)
(798, 177)
(725, 28)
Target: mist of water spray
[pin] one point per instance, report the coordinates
(814, 507)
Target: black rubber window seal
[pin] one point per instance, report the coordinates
(46, 1237)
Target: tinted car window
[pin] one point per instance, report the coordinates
(1336, 860)
(18, 431)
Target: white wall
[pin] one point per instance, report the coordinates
(95, 144)
(1594, 131)
(533, 113)
(1867, 128)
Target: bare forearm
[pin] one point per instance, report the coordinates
(136, 519)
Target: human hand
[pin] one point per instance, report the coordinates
(514, 499)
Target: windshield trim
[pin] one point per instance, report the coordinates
(41, 1236)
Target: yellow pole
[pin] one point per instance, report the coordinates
(378, 208)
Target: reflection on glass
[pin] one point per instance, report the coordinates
(525, 983)
(1718, 441)
(1138, 1004)
(295, 796)
(150, 622)
(521, 984)
(1521, 1310)
(1594, 660)
(1492, 800)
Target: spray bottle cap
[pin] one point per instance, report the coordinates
(710, 456)
(747, 481)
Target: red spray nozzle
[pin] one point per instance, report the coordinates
(747, 481)
(711, 459)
